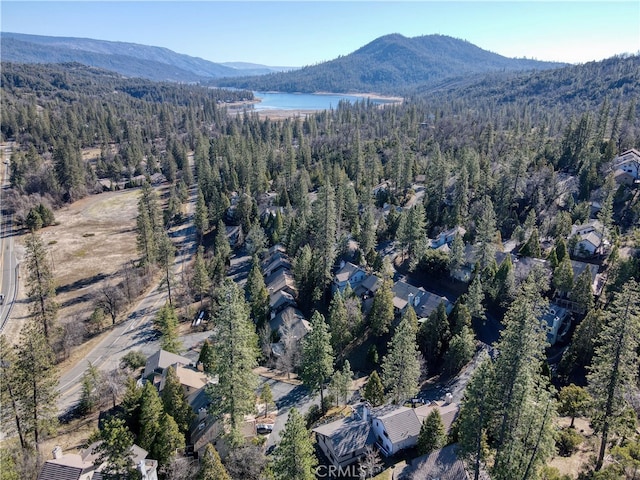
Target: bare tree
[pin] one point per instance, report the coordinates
(112, 386)
(289, 358)
(111, 301)
(371, 463)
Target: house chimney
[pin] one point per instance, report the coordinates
(57, 452)
(143, 470)
(448, 398)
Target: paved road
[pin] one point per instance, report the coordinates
(136, 332)
(8, 259)
(286, 396)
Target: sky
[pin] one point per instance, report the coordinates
(298, 33)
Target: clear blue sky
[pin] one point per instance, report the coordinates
(295, 33)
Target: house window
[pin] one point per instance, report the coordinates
(384, 432)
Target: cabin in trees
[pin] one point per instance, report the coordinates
(589, 239)
(82, 466)
(391, 428)
(557, 321)
(423, 302)
(442, 464)
(345, 441)
(446, 237)
(627, 166)
(348, 274)
(159, 362)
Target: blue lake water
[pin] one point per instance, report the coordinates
(305, 101)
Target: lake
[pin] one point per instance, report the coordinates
(306, 101)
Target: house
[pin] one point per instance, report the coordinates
(442, 464)
(344, 441)
(557, 322)
(211, 429)
(628, 162)
(83, 465)
(191, 379)
(348, 274)
(70, 466)
(430, 302)
(590, 239)
(293, 319)
(446, 237)
(159, 361)
(281, 280)
(624, 178)
(405, 294)
(280, 300)
(423, 302)
(395, 428)
(448, 412)
(274, 263)
(368, 287)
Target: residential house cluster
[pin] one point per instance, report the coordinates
(626, 167)
(365, 286)
(390, 428)
(590, 239)
(284, 312)
(86, 465)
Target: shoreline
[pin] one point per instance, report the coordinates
(282, 113)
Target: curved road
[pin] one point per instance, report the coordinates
(136, 332)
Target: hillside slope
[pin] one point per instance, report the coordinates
(392, 64)
(128, 59)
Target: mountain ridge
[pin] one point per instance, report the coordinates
(391, 63)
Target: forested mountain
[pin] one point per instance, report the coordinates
(575, 87)
(392, 64)
(128, 59)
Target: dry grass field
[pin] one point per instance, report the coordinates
(92, 240)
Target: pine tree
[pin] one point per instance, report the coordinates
(211, 467)
(267, 397)
(235, 356)
(294, 458)
(457, 255)
(166, 257)
(207, 356)
(524, 403)
(114, 449)
(168, 440)
(323, 232)
(475, 415)
(151, 410)
(432, 435)
(40, 286)
(505, 282)
(475, 298)
(10, 413)
(401, 367)
(341, 383)
(175, 402)
(460, 352)
(91, 395)
(374, 390)
(582, 292)
(257, 294)
(573, 401)
(37, 385)
(434, 334)
(200, 280)
(563, 275)
(317, 356)
(149, 225)
(486, 232)
(166, 322)
(201, 216)
(614, 367)
(381, 314)
(338, 323)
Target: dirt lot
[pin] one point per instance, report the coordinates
(92, 240)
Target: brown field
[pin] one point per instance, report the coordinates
(92, 240)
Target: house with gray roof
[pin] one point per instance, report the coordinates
(281, 280)
(293, 319)
(348, 274)
(162, 359)
(442, 464)
(345, 441)
(395, 428)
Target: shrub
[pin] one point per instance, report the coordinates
(134, 360)
(568, 441)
